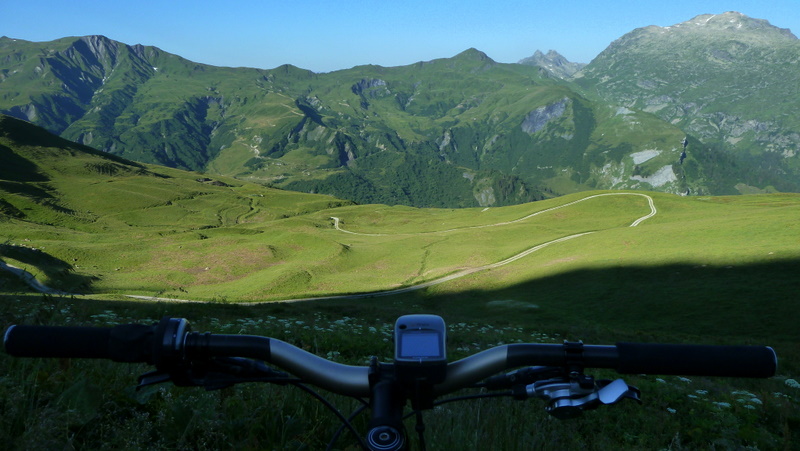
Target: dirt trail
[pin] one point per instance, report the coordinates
(650, 201)
(465, 272)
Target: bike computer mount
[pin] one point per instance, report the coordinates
(420, 348)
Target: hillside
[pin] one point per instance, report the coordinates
(80, 218)
(729, 80)
(702, 269)
(84, 221)
(454, 132)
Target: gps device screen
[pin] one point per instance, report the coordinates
(420, 353)
(420, 343)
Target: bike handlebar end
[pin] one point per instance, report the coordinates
(5, 336)
(697, 360)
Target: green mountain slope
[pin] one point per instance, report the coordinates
(701, 269)
(84, 221)
(455, 132)
(729, 80)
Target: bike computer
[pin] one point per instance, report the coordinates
(419, 347)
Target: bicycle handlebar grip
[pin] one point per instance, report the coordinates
(126, 343)
(697, 360)
(53, 341)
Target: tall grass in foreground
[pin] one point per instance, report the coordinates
(83, 404)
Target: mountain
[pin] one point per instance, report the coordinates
(730, 80)
(554, 63)
(50, 181)
(452, 132)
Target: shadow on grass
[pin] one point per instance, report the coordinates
(744, 304)
(757, 300)
(59, 274)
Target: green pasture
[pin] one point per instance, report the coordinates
(715, 270)
(175, 236)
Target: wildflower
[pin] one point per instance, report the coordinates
(743, 393)
(749, 406)
(685, 379)
(725, 405)
(792, 383)
(701, 392)
(671, 410)
(662, 381)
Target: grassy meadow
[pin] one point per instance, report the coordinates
(712, 270)
(717, 270)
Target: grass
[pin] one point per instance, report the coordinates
(91, 404)
(709, 270)
(714, 270)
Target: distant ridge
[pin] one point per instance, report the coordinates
(554, 63)
(728, 79)
(702, 107)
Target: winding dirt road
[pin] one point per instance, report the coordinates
(465, 272)
(650, 201)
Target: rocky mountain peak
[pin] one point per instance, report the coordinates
(729, 22)
(554, 63)
(99, 45)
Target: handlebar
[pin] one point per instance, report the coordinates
(171, 341)
(555, 374)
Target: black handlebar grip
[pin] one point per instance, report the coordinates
(126, 343)
(54, 341)
(697, 360)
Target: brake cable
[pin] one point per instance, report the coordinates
(221, 373)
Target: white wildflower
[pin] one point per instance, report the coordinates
(743, 393)
(725, 405)
(671, 410)
(792, 383)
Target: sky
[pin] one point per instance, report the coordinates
(328, 35)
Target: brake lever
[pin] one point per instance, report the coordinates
(568, 398)
(617, 390)
(153, 378)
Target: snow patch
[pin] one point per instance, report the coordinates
(660, 178)
(645, 155)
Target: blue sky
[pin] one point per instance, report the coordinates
(329, 35)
